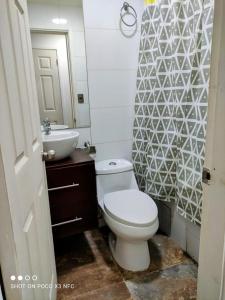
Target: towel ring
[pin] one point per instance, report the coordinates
(126, 7)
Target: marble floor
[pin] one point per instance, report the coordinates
(85, 264)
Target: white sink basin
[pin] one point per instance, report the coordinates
(62, 141)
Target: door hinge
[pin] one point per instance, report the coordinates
(206, 176)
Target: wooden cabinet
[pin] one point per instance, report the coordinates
(72, 194)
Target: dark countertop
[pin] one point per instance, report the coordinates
(78, 157)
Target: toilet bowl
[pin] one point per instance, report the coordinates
(131, 214)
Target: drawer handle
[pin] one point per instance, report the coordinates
(67, 222)
(63, 187)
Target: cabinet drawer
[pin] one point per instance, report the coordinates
(68, 204)
(74, 227)
(81, 177)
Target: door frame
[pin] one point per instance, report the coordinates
(210, 278)
(73, 94)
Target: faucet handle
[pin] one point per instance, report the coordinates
(87, 144)
(46, 122)
(90, 149)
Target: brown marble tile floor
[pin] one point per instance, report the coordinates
(85, 261)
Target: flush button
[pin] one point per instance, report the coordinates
(112, 163)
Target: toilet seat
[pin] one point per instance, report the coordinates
(131, 207)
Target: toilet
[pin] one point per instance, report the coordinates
(131, 214)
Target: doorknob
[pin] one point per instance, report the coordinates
(49, 155)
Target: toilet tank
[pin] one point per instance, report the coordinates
(114, 175)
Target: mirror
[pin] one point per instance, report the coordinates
(58, 43)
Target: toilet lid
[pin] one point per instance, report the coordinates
(131, 207)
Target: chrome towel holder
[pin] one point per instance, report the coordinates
(128, 9)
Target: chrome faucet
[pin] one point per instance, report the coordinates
(87, 146)
(46, 126)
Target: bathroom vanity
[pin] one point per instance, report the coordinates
(72, 194)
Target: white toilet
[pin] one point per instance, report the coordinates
(131, 214)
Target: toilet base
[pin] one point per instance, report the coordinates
(130, 255)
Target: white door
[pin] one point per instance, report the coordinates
(1, 297)
(211, 285)
(49, 40)
(48, 85)
(26, 247)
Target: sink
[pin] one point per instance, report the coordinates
(62, 141)
(56, 127)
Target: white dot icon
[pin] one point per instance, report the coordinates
(20, 277)
(13, 277)
(34, 277)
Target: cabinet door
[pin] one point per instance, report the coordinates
(70, 203)
(82, 177)
(73, 199)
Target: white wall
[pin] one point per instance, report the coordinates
(40, 17)
(185, 233)
(112, 62)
